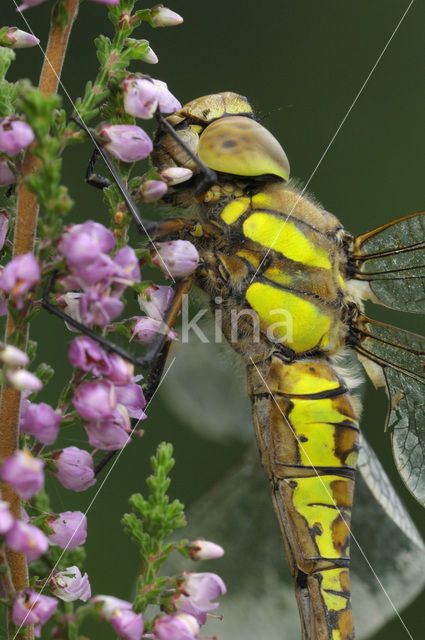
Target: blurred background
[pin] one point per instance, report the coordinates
(302, 65)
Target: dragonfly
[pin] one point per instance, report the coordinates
(289, 283)
(268, 250)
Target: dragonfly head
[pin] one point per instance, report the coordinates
(221, 131)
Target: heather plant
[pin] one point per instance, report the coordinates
(85, 273)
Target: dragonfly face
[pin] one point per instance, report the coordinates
(286, 277)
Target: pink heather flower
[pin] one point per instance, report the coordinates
(111, 433)
(97, 307)
(24, 473)
(152, 190)
(17, 39)
(86, 354)
(32, 608)
(145, 329)
(86, 249)
(127, 624)
(69, 585)
(23, 380)
(163, 17)
(40, 421)
(166, 101)
(15, 135)
(140, 97)
(74, 468)
(175, 175)
(69, 529)
(155, 300)
(29, 3)
(13, 357)
(127, 142)
(177, 627)
(127, 264)
(6, 174)
(109, 606)
(27, 539)
(19, 276)
(131, 396)
(199, 590)
(120, 371)
(177, 257)
(6, 518)
(95, 400)
(205, 550)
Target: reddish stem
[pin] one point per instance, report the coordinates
(25, 230)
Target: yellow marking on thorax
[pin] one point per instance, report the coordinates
(252, 257)
(278, 275)
(272, 232)
(262, 200)
(296, 322)
(315, 498)
(234, 210)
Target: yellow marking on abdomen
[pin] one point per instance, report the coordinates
(293, 321)
(273, 232)
(323, 501)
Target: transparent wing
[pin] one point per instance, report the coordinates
(206, 388)
(392, 259)
(401, 355)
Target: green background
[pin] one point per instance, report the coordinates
(302, 64)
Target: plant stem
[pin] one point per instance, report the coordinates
(25, 231)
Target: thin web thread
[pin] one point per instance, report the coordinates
(94, 141)
(334, 136)
(114, 462)
(334, 503)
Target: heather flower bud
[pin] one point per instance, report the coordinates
(132, 397)
(155, 300)
(163, 17)
(13, 357)
(127, 624)
(145, 329)
(17, 39)
(127, 142)
(177, 627)
(166, 101)
(27, 539)
(26, 5)
(178, 258)
(140, 97)
(15, 135)
(69, 529)
(23, 380)
(175, 175)
(32, 608)
(4, 226)
(69, 585)
(24, 473)
(205, 550)
(150, 56)
(6, 174)
(74, 468)
(109, 605)
(152, 190)
(40, 421)
(111, 433)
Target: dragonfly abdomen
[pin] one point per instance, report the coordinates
(307, 433)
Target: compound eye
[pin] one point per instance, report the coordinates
(241, 146)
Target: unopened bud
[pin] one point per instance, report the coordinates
(175, 175)
(163, 17)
